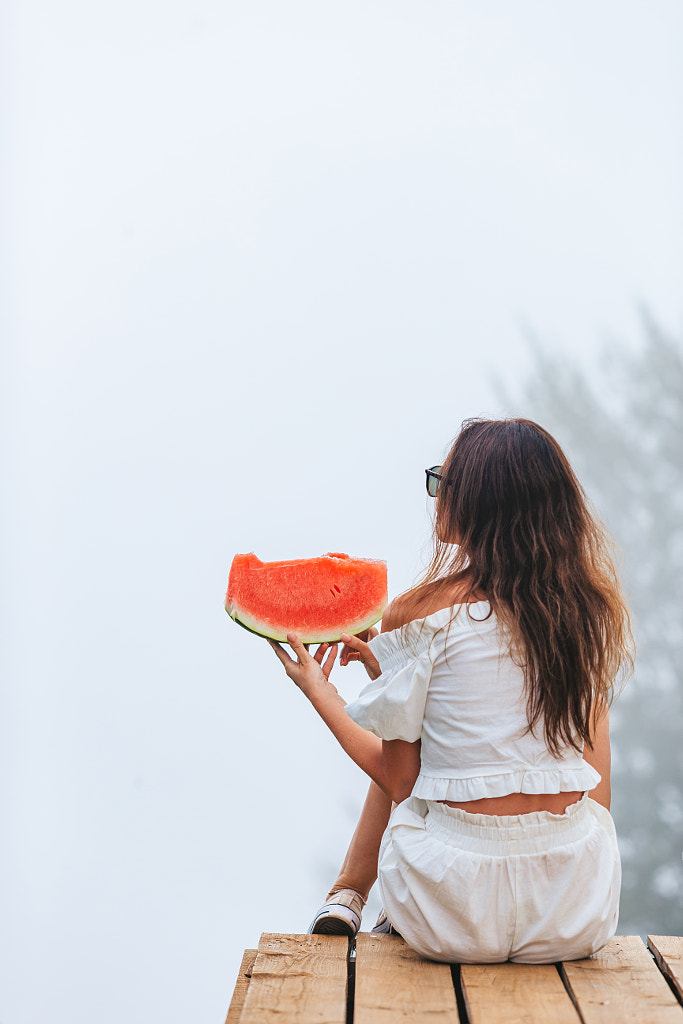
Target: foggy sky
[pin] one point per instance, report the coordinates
(260, 261)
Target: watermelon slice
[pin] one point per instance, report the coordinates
(316, 598)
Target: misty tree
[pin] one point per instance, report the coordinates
(623, 430)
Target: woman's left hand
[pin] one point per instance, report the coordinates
(310, 672)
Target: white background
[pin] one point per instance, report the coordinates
(259, 261)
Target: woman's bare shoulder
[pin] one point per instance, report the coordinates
(418, 603)
(394, 616)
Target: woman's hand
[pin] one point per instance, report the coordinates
(356, 648)
(310, 672)
(388, 768)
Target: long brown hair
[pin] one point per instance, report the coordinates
(525, 537)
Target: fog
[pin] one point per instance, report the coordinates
(258, 263)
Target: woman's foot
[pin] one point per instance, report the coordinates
(339, 915)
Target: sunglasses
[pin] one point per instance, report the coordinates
(433, 480)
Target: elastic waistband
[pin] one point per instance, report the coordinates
(503, 835)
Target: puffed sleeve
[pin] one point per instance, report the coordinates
(393, 705)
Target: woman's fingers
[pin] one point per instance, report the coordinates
(355, 643)
(322, 650)
(310, 673)
(348, 654)
(281, 654)
(290, 666)
(329, 660)
(299, 648)
(325, 656)
(352, 649)
(362, 651)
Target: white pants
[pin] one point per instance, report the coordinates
(480, 888)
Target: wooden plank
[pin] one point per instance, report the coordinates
(241, 986)
(516, 994)
(298, 979)
(393, 982)
(621, 984)
(668, 952)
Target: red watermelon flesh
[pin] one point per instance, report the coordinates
(316, 598)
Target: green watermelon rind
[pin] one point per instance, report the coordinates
(353, 629)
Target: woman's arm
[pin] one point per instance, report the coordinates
(393, 764)
(402, 761)
(599, 755)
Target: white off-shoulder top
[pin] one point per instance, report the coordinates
(449, 681)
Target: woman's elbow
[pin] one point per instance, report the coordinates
(602, 794)
(400, 789)
(400, 767)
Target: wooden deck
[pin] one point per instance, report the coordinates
(316, 979)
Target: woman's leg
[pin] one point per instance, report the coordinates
(359, 870)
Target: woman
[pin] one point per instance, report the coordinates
(486, 721)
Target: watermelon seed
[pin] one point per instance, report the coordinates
(337, 589)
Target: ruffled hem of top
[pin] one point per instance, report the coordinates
(532, 780)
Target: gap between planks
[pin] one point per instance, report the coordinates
(621, 983)
(668, 953)
(516, 994)
(303, 979)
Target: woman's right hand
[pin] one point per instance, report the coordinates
(357, 649)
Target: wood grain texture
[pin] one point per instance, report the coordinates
(516, 994)
(298, 979)
(241, 986)
(395, 983)
(668, 952)
(621, 985)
